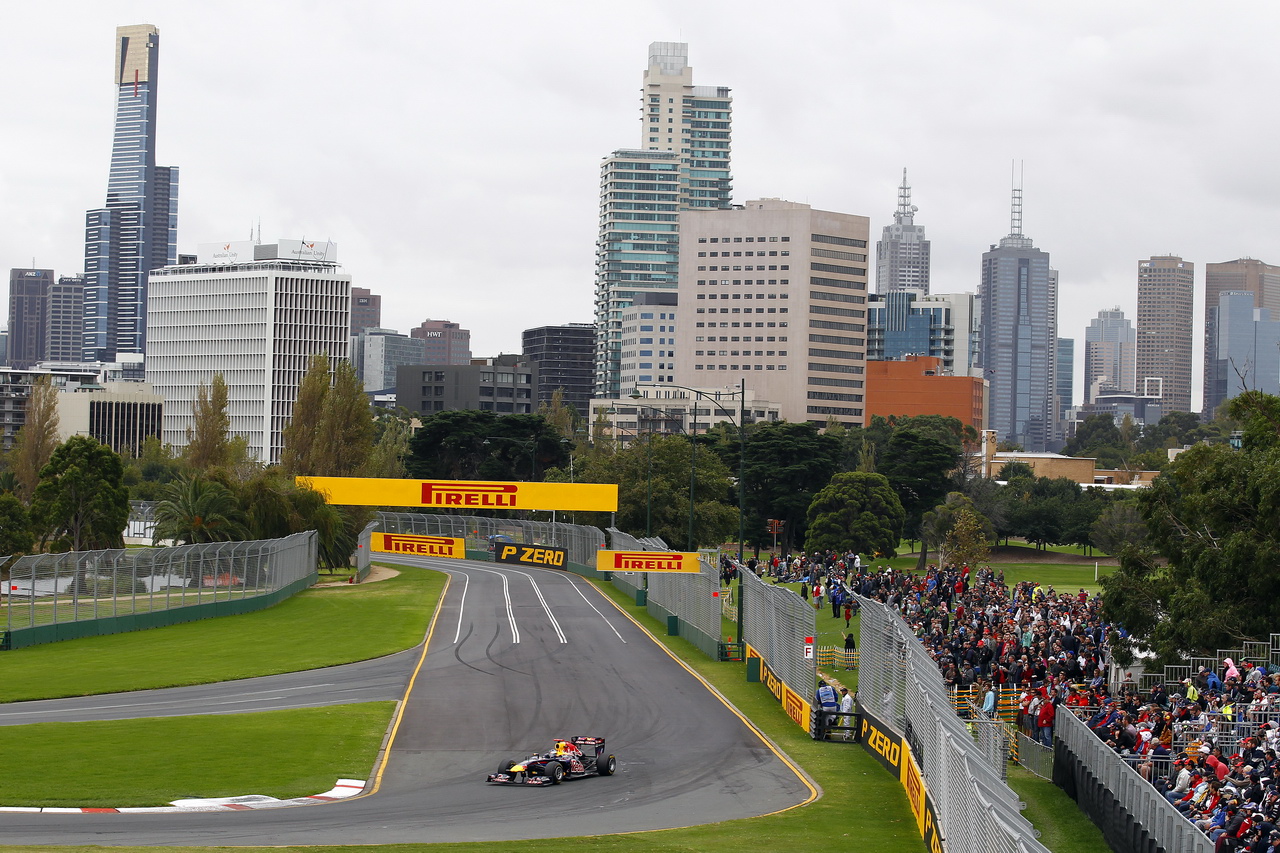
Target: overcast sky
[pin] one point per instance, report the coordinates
(452, 150)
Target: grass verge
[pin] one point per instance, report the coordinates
(150, 762)
(1063, 827)
(316, 628)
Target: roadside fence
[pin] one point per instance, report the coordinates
(776, 624)
(1032, 756)
(362, 557)
(1131, 813)
(899, 684)
(693, 601)
(52, 597)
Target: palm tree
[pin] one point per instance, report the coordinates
(194, 510)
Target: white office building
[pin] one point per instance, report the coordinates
(254, 313)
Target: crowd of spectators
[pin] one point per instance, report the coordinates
(1210, 746)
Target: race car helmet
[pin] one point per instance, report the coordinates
(563, 748)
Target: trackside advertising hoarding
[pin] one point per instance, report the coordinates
(465, 494)
(419, 546)
(530, 555)
(648, 561)
(796, 706)
(892, 750)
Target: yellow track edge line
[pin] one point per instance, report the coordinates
(800, 774)
(385, 753)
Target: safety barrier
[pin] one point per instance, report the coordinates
(1130, 812)
(835, 657)
(482, 534)
(51, 597)
(900, 686)
(362, 557)
(692, 600)
(778, 628)
(1032, 756)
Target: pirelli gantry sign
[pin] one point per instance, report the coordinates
(419, 546)
(648, 561)
(465, 494)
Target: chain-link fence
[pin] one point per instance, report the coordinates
(899, 683)
(481, 534)
(57, 590)
(1099, 779)
(994, 738)
(693, 599)
(776, 623)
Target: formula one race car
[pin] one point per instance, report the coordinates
(569, 759)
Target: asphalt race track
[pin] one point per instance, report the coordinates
(517, 656)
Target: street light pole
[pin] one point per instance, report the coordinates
(742, 462)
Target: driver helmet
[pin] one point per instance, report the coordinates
(564, 748)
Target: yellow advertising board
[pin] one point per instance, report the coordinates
(419, 546)
(464, 495)
(796, 706)
(648, 561)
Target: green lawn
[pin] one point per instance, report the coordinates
(1063, 827)
(316, 628)
(151, 762)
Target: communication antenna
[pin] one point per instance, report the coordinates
(1015, 213)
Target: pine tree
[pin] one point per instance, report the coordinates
(38, 437)
(208, 438)
(300, 436)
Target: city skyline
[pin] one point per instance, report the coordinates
(1100, 121)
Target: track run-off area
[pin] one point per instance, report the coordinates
(514, 657)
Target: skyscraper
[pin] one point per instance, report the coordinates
(902, 323)
(1019, 296)
(1246, 350)
(1064, 376)
(745, 275)
(902, 252)
(1165, 306)
(136, 230)
(682, 163)
(28, 316)
(565, 356)
(64, 321)
(1110, 350)
(366, 310)
(447, 342)
(1244, 275)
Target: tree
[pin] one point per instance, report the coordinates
(856, 511)
(919, 468)
(300, 434)
(1214, 519)
(939, 522)
(208, 436)
(155, 466)
(786, 465)
(476, 445)
(1015, 470)
(194, 511)
(81, 500)
(392, 431)
(274, 506)
(653, 490)
(38, 438)
(15, 527)
(331, 431)
(1119, 525)
(968, 540)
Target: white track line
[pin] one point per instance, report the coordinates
(578, 589)
(545, 606)
(506, 593)
(462, 605)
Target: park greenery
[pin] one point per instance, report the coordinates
(1207, 575)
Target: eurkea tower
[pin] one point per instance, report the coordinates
(136, 230)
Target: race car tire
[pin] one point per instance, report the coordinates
(505, 766)
(606, 766)
(555, 772)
